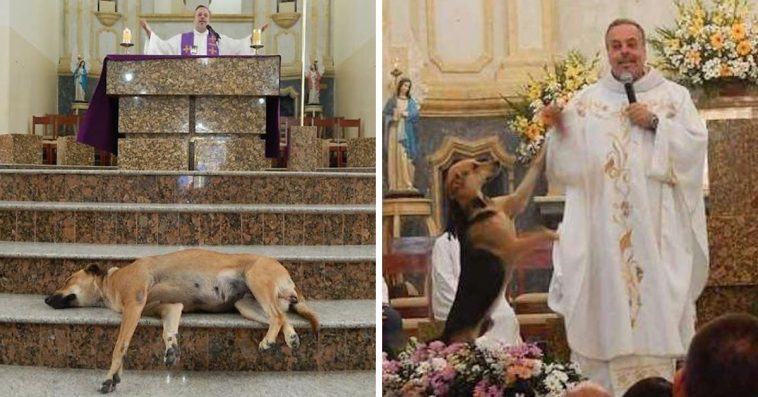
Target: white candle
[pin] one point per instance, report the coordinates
(257, 37)
(126, 38)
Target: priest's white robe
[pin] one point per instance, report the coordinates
(633, 255)
(226, 45)
(446, 269)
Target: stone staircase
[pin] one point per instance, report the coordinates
(54, 221)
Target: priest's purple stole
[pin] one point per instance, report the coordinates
(188, 41)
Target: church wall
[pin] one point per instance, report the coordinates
(355, 62)
(4, 66)
(33, 38)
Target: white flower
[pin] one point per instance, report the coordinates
(439, 363)
(423, 368)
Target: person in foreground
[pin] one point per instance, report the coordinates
(202, 40)
(633, 256)
(722, 359)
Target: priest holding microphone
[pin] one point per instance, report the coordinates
(632, 257)
(202, 40)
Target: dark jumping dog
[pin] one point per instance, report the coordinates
(490, 246)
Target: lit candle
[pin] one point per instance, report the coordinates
(127, 36)
(395, 63)
(257, 37)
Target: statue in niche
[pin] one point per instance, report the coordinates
(314, 83)
(400, 115)
(80, 81)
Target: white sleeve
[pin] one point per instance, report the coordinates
(446, 269)
(158, 46)
(230, 46)
(566, 159)
(680, 146)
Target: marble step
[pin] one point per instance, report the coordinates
(38, 381)
(190, 224)
(192, 187)
(32, 333)
(321, 272)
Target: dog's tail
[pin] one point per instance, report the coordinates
(297, 305)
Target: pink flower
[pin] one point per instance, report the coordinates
(390, 366)
(453, 348)
(437, 346)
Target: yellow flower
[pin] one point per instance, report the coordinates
(738, 31)
(533, 93)
(694, 57)
(726, 71)
(674, 44)
(744, 48)
(718, 18)
(697, 27)
(717, 41)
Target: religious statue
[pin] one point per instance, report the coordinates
(314, 83)
(400, 116)
(80, 81)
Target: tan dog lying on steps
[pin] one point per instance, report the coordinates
(490, 247)
(186, 281)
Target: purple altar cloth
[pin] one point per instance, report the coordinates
(100, 125)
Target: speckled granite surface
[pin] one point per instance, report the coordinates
(230, 115)
(732, 223)
(154, 114)
(113, 186)
(71, 152)
(20, 149)
(230, 154)
(242, 76)
(306, 149)
(153, 154)
(186, 224)
(361, 152)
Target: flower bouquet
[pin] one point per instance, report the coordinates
(558, 85)
(710, 45)
(462, 369)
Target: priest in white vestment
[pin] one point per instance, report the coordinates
(632, 257)
(202, 40)
(446, 269)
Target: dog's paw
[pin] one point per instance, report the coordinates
(109, 385)
(265, 345)
(172, 355)
(293, 341)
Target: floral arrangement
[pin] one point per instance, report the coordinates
(463, 369)
(558, 85)
(710, 44)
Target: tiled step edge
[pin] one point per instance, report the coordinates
(31, 309)
(18, 380)
(320, 253)
(194, 208)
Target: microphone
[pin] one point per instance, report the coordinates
(628, 79)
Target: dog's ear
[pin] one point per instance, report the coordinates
(94, 270)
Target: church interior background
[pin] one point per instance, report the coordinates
(64, 205)
(463, 58)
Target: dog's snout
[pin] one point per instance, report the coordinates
(49, 300)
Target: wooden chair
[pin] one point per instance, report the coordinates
(350, 123)
(322, 125)
(66, 124)
(48, 124)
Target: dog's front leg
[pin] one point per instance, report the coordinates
(129, 319)
(171, 313)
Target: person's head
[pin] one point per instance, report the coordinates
(625, 43)
(651, 387)
(721, 360)
(404, 87)
(202, 18)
